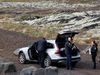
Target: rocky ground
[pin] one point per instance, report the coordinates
(15, 40)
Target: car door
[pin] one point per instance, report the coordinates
(33, 54)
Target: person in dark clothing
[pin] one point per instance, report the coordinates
(41, 48)
(94, 50)
(68, 49)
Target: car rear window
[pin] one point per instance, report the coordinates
(50, 45)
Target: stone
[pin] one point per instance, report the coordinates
(51, 71)
(7, 67)
(40, 71)
(28, 71)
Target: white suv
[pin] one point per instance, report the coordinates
(55, 51)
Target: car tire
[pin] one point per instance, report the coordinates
(22, 58)
(47, 61)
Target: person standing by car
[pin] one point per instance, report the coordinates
(94, 50)
(41, 48)
(68, 51)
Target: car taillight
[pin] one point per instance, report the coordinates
(57, 52)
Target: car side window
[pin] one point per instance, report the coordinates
(50, 45)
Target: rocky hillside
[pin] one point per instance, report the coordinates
(43, 5)
(80, 17)
(17, 7)
(67, 1)
(88, 21)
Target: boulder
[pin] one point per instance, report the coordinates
(7, 67)
(51, 71)
(28, 71)
(41, 71)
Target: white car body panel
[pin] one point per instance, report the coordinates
(24, 50)
(50, 52)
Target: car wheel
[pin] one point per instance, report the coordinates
(22, 58)
(47, 61)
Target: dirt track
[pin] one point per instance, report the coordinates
(9, 41)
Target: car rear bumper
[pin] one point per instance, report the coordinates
(65, 59)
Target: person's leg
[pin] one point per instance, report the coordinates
(39, 58)
(67, 63)
(70, 64)
(94, 60)
(42, 58)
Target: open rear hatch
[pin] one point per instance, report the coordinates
(61, 40)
